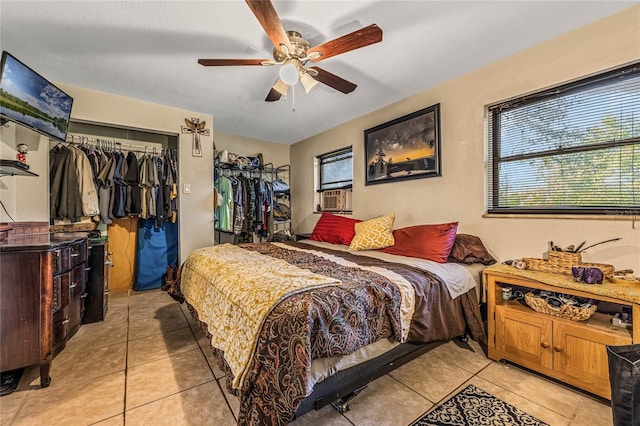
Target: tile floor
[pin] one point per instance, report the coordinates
(148, 364)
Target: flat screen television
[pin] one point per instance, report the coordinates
(29, 99)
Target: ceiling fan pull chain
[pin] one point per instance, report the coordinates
(293, 98)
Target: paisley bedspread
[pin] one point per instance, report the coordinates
(332, 320)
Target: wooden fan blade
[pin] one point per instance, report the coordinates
(355, 40)
(332, 80)
(273, 95)
(278, 90)
(231, 62)
(268, 18)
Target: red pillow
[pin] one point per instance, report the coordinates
(333, 228)
(431, 242)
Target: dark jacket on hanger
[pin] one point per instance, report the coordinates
(134, 191)
(64, 188)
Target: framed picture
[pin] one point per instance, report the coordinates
(405, 148)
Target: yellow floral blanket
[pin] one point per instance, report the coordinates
(234, 290)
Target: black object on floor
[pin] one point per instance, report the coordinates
(9, 381)
(473, 406)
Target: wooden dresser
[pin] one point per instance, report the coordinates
(571, 351)
(42, 291)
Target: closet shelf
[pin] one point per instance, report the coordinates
(14, 168)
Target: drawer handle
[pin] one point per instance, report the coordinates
(75, 254)
(74, 285)
(65, 321)
(87, 269)
(83, 295)
(106, 292)
(557, 348)
(545, 345)
(108, 262)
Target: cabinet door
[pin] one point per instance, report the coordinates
(524, 338)
(581, 352)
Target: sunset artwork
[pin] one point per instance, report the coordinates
(405, 148)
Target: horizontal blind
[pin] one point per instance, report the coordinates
(573, 149)
(336, 169)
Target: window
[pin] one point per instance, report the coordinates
(335, 179)
(336, 169)
(573, 149)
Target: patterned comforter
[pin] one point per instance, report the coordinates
(333, 320)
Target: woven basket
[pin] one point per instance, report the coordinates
(569, 312)
(561, 262)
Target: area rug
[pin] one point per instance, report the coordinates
(473, 406)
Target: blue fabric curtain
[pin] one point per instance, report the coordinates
(157, 249)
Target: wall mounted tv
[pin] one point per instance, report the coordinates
(32, 101)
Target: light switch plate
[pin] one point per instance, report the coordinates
(186, 188)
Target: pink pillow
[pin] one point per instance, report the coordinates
(431, 242)
(335, 229)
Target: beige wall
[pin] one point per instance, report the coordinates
(459, 194)
(275, 153)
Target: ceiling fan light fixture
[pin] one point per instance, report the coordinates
(308, 82)
(289, 74)
(314, 55)
(281, 87)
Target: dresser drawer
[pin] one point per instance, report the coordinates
(78, 253)
(77, 282)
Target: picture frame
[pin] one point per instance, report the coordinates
(405, 148)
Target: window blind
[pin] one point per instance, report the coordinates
(571, 149)
(336, 169)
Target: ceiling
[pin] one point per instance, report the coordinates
(148, 50)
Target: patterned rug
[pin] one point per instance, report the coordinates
(472, 406)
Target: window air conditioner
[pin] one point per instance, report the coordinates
(334, 200)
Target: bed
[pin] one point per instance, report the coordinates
(344, 318)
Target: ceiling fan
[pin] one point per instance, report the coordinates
(293, 53)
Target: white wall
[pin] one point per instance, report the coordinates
(459, 195)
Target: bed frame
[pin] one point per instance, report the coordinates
(339, 388)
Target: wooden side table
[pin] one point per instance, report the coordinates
(571, 351)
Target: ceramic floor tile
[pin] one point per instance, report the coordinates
(326, 416)
(233, 401)
(95, 400)
(72, 367)
(162, 321)
(523, 403)
(468, 356)
(96, 335)
(538, 389)
(155, 380)
(203, 341)
(431, 376)
(594, 411)
(157, 346)
(386, 401)
(111, 421)
(200, 405)
(11, 404)
(149, 297)
(154, 310)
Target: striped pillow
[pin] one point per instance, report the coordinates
(335, 229)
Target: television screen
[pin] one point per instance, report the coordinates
(32, 101)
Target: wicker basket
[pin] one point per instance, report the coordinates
(569, 312)
(561, 262)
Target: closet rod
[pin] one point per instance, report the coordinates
(114, 144)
